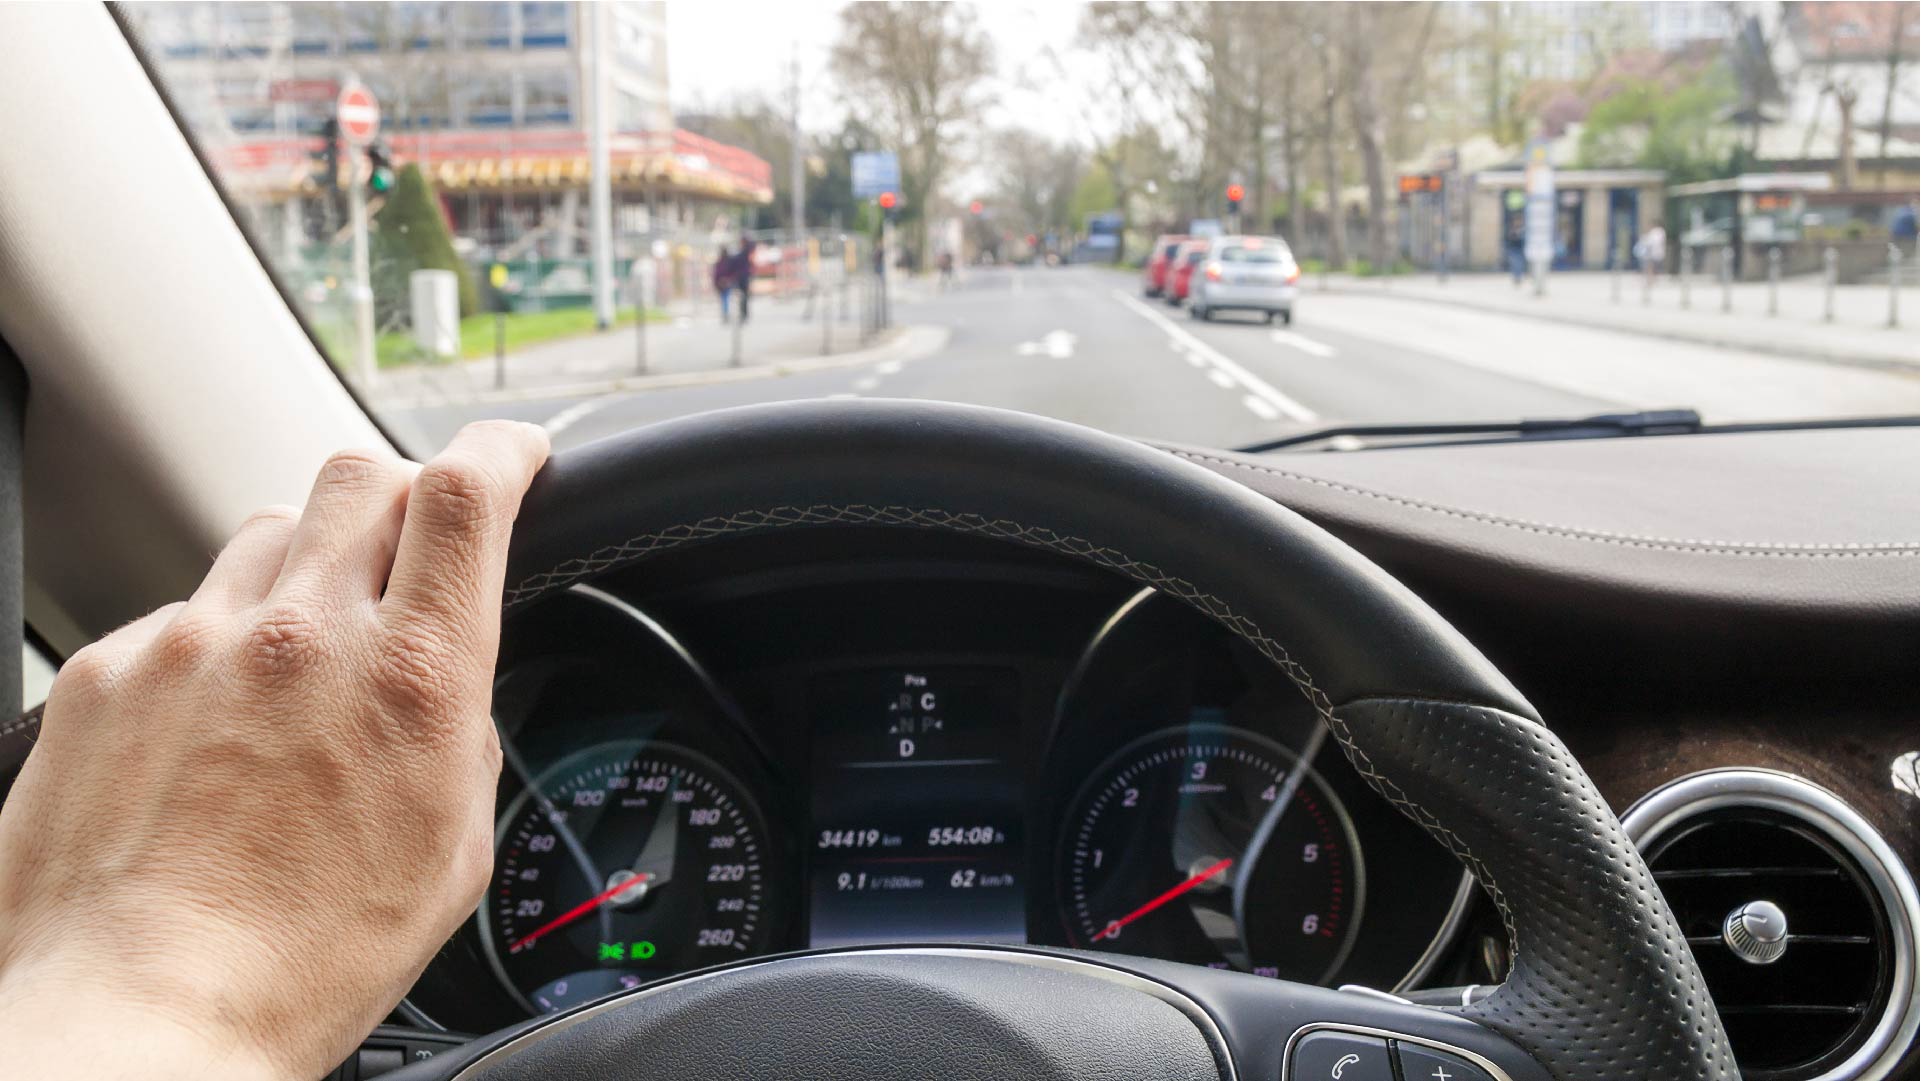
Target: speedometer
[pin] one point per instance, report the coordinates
(1215, 846)
(623, 864)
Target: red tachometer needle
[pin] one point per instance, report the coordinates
(1115, 926)
(577, 911)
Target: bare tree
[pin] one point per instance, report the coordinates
(1900, 24)
(920, 68)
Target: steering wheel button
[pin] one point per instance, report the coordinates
(1426, 1064)
(1339, 1056)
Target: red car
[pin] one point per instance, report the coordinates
(1180, 271)
(1154, 274)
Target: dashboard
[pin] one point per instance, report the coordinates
(865, 747)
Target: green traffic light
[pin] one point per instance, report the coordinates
(381, 182)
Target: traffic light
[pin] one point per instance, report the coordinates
(380, 170)
(887, 200)
(975, 208)
(326, 159)
(1235, 193)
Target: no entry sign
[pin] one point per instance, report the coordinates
(359, 115)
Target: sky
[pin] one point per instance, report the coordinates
(720, 51)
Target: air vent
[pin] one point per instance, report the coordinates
(1745, 856)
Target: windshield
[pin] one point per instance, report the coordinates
(594, 216)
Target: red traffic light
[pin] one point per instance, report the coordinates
(1235, 193)
(974, 207)
(887, 200)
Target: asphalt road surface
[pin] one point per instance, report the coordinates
(1081, 344)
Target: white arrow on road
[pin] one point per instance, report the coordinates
(1304, 344)
(1058, 344)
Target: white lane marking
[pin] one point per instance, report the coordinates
(1345, 442)
(1260, 408)
(1220, 378)
(1303, 343)
(1254, 384)
(866, 382)
(1058, 344)
(888, 367)
(843, 394)
(569, 416)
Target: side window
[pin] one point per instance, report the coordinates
(36, 671)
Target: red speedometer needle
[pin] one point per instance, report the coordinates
(1114, 928)
(577, 911)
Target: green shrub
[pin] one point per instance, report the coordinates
(408, 234)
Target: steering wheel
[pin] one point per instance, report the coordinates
(1602, 981)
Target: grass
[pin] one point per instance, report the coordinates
(396, 348)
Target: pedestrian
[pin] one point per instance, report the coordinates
(723, 274)
(744, 273)
(946, 263)
(1515, 249)
(1651, 251)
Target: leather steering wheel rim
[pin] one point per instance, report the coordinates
(1602, 983)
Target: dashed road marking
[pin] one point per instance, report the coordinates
(888, 367)
(1216, 361)
(1303, 343)
(866, 382)
(1260, 408)
(1220, 378)
(573, 414)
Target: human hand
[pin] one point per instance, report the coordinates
(252, 817)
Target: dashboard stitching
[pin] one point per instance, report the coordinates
(636, 548)
(26, 721)
(1763, 549)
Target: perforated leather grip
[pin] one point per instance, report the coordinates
(1603, 983)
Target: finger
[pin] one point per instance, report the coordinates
(453, 547)
(344, 545)
(246, 568)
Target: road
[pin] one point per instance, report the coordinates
(1081, 344)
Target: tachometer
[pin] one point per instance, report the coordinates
(1212, 845)
(624, 863)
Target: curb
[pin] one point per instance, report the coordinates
(1882, 363)
(909, 343)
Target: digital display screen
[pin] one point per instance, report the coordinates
(916, 808)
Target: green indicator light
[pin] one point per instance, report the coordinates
(640, 951)
(612, 951)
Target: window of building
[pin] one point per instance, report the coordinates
(544, 25)
(490, 101)
(547, 97)
(485, 25)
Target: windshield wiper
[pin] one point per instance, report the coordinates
(1600, 426)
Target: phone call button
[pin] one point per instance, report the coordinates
(1339, 1056)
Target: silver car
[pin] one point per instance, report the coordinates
(1245, 273)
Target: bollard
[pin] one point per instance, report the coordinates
(640, 337)
(1830, 272)
(1614, 280)
(734, 359)
(1686, 275)
(1774, 281)
(1894, 286)
(1649, 270)
(826, 327)
(500, 350)
(1727, 279)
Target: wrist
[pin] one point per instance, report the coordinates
(53, 1026)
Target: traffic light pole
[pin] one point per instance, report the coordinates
(361, 292)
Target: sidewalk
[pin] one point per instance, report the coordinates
(1859, 334)
(692, 349)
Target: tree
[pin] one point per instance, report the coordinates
(919, 69)
(1038, 180)
(410, 233)
(1672, 126)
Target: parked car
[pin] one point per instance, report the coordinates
(1154, 273)
(1180, 271)
(1245, 273)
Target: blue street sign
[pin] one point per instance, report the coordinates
(875, 172)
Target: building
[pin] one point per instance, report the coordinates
(489, 98)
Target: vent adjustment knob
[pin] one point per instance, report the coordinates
(1757, 932)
